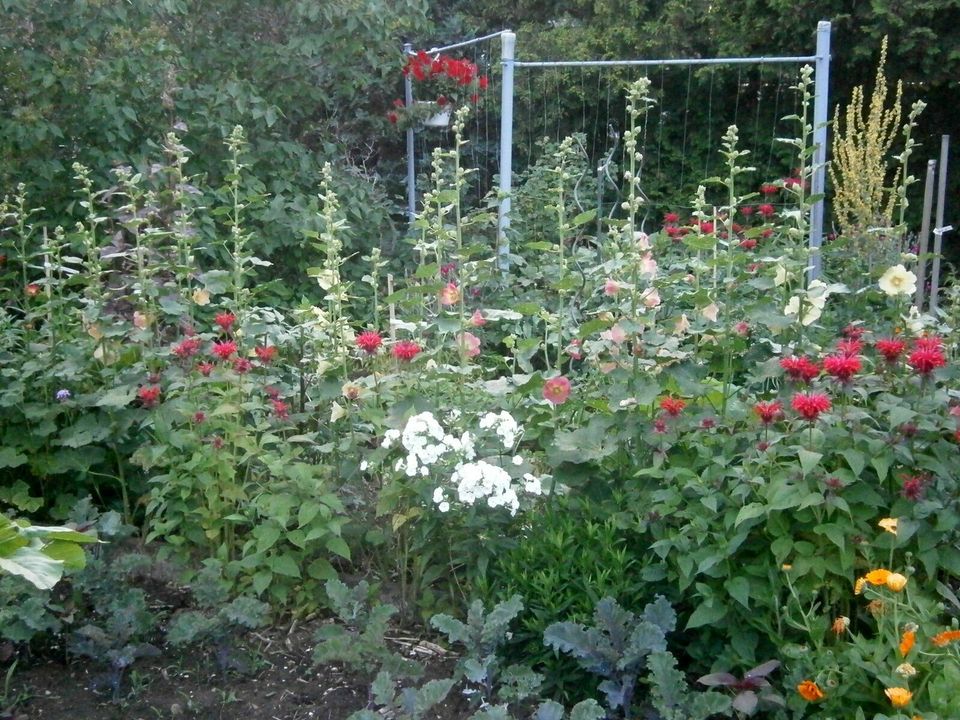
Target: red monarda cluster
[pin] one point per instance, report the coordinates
(448, 78)
(927, 355)
(891, 349)
(799, 368)
(768, 412)
(672, 406)
(406, 350)
(810, 405)
(187, 348)
(369, 341)
(842, 366)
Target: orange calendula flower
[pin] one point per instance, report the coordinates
(878, 576)
(945, 638)
(810, 691)
(896, 582)
(899, 697)
(906, 642)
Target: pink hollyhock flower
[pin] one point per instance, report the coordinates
(556, 390)
(810, 405)
(616, 335)
(574, 351)
(225, 320)
(225, 349)
(477, 319)
(651, 298)
(406, 350)
(470, 342)
(648, 266)
(742, 328)
(449, 294)
(611, 287)
(369, 341)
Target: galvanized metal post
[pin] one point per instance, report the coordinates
(508, 42)
(411, 162)
(924, 240)
(939, 229)
(820, 109)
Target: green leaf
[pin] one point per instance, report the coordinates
(10, 458)
(809, 460)
(708, 612)
(739, 589)
(35, 567)
(283, 565)
(749, 512)
(338, 546)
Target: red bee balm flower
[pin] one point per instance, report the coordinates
(148, 396)
(280, 409)
(891, 349)
(265, 353)
(369, 341)
(225, 320)
(842, 367)
(225, 349)
(927, 355)
(406, 350)
(242, 366)
(187, 348)
(205, 368)
(766, 210)
(800, 368)
(672, 406)
(850, 346)
(556, 390)
(768, 412)
(810, 405)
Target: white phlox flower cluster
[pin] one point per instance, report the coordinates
(477, 480)
(426, 444)
(503, 425)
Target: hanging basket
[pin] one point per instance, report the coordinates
(437, 120)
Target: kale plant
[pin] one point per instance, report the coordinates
(410, 703)
(219, 623)
(359, 641)
(481, 636)
(621, 646)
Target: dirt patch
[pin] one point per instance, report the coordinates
(282, 684)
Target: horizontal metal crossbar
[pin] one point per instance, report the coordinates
(473, 41)
(685, 61)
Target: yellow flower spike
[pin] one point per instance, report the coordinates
(858, 585)
(899, 697)
(878, 576)
(896, 582)
(889, 524)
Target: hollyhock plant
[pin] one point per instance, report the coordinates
(611, 287)
(369, 341)
(470, 343)
(897, 280)
(406, 350)
(810, 405)
(556, 390)
(477, 319)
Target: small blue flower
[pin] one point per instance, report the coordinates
(63, 395)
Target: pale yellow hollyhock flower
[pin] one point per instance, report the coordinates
(710, 312)
(897, 280)
(889, 524)
(201, 296)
